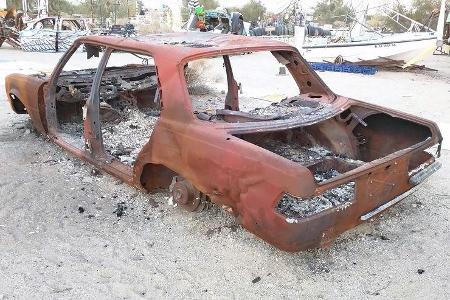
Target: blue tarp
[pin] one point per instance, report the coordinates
(343, 68)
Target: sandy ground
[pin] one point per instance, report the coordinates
(51, 248)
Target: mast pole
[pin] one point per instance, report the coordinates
(441, 25)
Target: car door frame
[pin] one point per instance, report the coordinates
(94, 151)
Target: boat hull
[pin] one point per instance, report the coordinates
(398, 47)
(370, 51)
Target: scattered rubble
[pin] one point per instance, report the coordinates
(292, 207)
(121, 209)
(256, 280)
(209, 102)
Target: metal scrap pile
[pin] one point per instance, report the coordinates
(10, 25)
(75, 86)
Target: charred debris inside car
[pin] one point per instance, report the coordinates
(296, 169)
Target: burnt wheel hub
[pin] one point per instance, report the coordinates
(186, 195)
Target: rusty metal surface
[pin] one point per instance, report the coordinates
(230, 162)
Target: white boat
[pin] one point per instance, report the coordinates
(409, 47)
(398, 47)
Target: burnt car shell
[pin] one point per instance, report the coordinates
(226, 162)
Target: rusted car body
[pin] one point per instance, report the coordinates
(380, 155)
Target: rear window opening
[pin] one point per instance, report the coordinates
(236, 88)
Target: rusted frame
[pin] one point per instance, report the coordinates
(92, 121)
(228, 162)
(91, 124)
(50, 97)
(232, 98)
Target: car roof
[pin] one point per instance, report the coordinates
(185, 44)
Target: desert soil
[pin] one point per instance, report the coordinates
(61, 237)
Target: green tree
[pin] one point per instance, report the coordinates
(184, 11)
(61, 8)
(102, 9)
(14, 3)
(234, 9)
(253, 10)
(424, 11)
(394, 26)
(330, 11)
(209, 4)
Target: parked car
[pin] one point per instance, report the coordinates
(52, 34)
(123, 30)
(296, 172)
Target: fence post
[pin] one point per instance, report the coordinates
(56, 41)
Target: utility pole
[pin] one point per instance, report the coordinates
(116, 5)
(128, 12)
(92, 11)
(25, 8)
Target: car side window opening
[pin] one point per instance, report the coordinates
(129, 104)
(239, 83)
(69, 25)
(45, 24)
(73, 89)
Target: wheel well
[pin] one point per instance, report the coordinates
(17, 104)
(155, 176)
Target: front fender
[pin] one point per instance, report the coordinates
(25, 94)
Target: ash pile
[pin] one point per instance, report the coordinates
(294, 107)
(126, 135)
(296, 153)
(294, 208)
